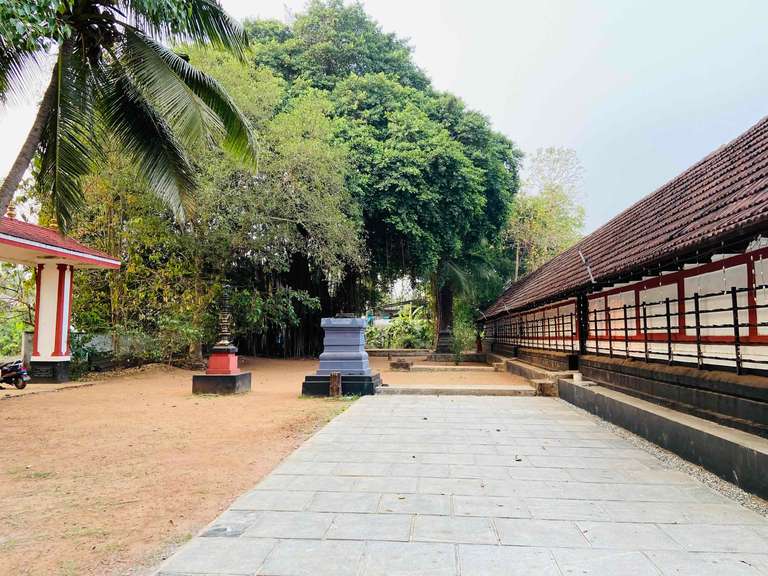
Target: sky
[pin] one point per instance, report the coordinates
(639, 89)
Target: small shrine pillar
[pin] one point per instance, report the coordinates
(51, 352)
(53, 257)
(223, 375)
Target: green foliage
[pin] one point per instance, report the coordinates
(11, 333)
(464, 328)
(33, 24)
(246, 230)
(115, 82)
(432, 179)
(409, 329)
(548, 218)
(16, 302)
(254, 312)
(426, 194)
(376, 337)
(330, 42)
(176, 335)
(365, 175)
(83, 354)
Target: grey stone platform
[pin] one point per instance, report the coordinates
(476, 486)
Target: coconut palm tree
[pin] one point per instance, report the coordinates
(115, 80)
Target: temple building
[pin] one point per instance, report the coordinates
(668, 301)
(54, 259)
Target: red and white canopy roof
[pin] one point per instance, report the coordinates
(25, 243)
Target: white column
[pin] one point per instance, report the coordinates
(52, 315)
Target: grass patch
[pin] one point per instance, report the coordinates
(68, 568)
(85, 532)
(29, 474)
(41, 475)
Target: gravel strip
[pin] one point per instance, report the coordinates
(675, 462)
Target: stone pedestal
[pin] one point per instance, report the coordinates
(444, 342)
(343, 352)
(222, 376)
(221, 383)
(344, 347)
(42, 371)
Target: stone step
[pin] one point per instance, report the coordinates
(724, 418)
(735, 455)
(458, 390)
(450, 368)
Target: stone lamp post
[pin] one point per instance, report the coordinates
(223, 376)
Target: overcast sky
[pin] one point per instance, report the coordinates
(640, 89)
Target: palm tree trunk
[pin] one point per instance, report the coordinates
(445, 319)
(517, 258)
(27, 152)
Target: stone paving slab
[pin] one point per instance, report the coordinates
(473, 486)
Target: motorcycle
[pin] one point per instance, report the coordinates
(15, 373)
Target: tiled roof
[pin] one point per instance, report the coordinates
(32, 235)
(715, 200)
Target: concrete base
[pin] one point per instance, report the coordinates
(545, 381)
(458, 390)
(396, 352)
(221, 383)
(351, 385)
(549, 359)
(465, 357)
(49, 372)
(444, 342)
(401, 364)
(490, 346)
(723, 397)
(450, 368)
(734, 455)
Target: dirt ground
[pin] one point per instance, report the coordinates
(394, 378)
(105, 479)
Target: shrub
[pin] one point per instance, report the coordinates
(409, 329)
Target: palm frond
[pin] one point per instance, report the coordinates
(191, 120)
(147, 138)
(195, 105)
(458, 277)
(200, 21)
(15, 66)
(68, 147)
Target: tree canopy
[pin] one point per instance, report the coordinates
(546, 218)
(114, 81)
(365, 175)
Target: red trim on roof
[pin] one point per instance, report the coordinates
(720, 198)
(52, 242)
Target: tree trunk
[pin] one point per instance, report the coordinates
(445, 319)
(517, 258)
(27, 152)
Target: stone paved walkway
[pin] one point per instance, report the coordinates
(476, 486)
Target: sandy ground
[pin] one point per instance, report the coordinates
(107, 478)
(396, 377)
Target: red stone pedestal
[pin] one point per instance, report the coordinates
(222, 376)
(222, 363)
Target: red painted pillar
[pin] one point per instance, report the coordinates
(61, 331)
(35, 336)
(69, 307)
